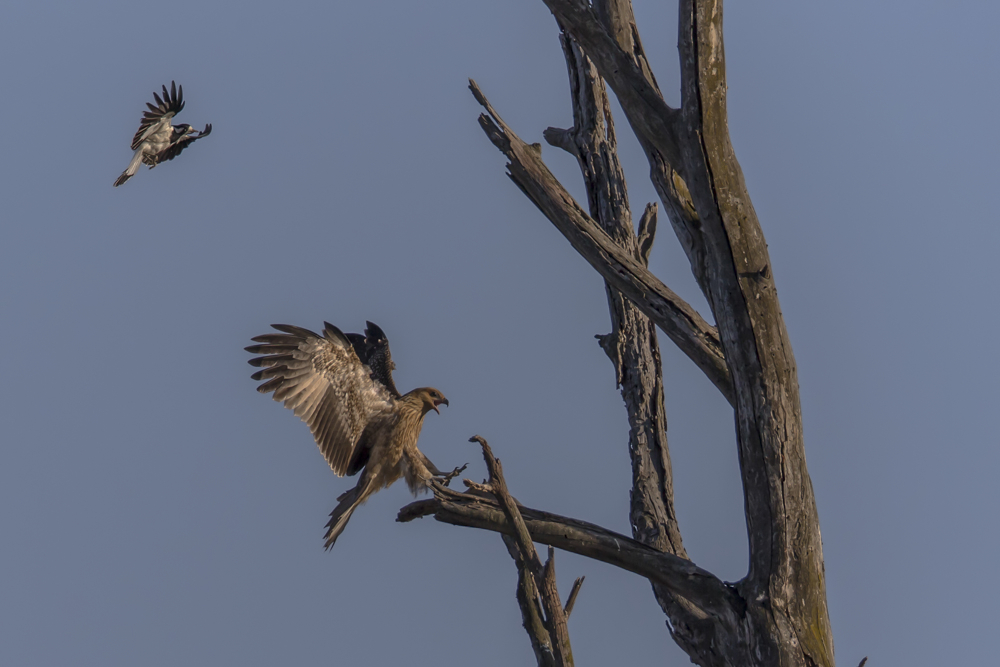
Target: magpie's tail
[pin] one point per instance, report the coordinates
(133, 167)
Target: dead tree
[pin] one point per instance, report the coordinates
(776, 614)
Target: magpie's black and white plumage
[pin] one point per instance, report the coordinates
(157, 140)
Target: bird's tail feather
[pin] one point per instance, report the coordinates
(342, 513)
(133, 167)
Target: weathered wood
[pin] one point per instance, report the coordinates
(609, 35)
(532, 616)
(787, 621)
(786, 553)
(646, 232)
(682, 324)
(621, 73)
(700, 587)
(631, 345)
(573, 592)
(777, 614)
(555, 649)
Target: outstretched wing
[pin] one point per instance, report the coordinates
(322, 380)
(165, 109)
(174, 149)
(373, 350)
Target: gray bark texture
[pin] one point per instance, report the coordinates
(777, 614)
(543, 614)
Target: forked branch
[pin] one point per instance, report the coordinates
(625, 76)
(631, 345)
(536, 582)
(477, 509)
(683, 325)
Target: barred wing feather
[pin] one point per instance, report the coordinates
(321, 379)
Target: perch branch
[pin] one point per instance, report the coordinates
(700, 587)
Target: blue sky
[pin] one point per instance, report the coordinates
(158, 511)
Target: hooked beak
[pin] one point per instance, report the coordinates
(437, 403)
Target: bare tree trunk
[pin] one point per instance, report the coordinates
(631, 345)
(776, 614)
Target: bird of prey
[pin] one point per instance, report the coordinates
(157, 140)
(341, 386)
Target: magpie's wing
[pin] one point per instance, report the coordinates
(174, 149)
(166, 108)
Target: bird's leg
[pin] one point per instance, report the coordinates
(443, 477)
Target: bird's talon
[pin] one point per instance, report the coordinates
(446, 478)
(351, 371)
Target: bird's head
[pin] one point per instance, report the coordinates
(430, 399)
(186, 129)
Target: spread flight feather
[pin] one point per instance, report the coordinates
(341, 386)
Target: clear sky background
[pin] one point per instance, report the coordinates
(157, 511)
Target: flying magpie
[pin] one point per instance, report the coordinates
(157, 140)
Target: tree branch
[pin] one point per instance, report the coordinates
(646, 233)
(542, 577)
(682, 324)
(625, 76)
(532, 616)
(729, 257)
(700, 587)
(571, 600)
(632, 345)
(786, 553)
(777, 614)
(620, 60)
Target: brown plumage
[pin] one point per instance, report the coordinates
(357, 417)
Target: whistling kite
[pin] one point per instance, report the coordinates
(341, 386)
(157, 140)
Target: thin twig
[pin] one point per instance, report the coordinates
(571, 600)
(647, 232)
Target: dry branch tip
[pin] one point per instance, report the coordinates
(571, 600)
